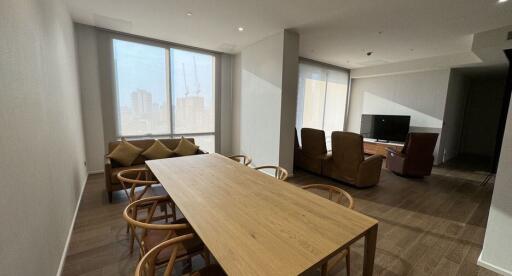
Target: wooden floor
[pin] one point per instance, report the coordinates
(430, 226)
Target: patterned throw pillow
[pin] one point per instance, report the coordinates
(185, 147)
(157, 151)
(125, 153)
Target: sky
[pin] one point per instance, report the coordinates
(141, 66)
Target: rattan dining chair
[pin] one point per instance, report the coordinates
(152, 229)
(339, 196)
(132, 179)
(279, 172)
(147, 266)
(244, 159)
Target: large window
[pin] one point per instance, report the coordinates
(322, 98)
(163, 91)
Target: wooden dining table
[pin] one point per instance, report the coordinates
(255, 224)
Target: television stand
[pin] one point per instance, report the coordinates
(373, 146)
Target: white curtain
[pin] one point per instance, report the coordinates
(322, 98)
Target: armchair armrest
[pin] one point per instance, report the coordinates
(391, 152)
(372, 161)
(369, 171)
(108, 173)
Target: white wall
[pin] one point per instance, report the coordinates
(260, 100)
(92, 114)
(421, 95)
(41, 147)
(453, 116)
(261, 83)
(497, 250)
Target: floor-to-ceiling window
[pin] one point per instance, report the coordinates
(322, 98)
(164, 91)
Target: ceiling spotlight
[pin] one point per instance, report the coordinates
(502, 1)
(240, 29)
(189, 14)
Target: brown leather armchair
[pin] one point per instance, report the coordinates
(309, 157)
(347, 163)
(416, 158)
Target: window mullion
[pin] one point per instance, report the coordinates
(169, 87)
(325, 98)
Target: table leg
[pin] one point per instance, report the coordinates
(370, 244)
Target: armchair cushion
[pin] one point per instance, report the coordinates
(125, 153)
(157, 151)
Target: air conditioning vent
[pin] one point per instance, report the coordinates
(509, 35)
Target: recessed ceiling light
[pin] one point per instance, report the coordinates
(240, 29)
(189, 14)
(502, 1)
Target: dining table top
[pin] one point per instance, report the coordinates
(253, 223)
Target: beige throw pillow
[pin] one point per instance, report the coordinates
(185, 147)
(157, 151)
(125, 153)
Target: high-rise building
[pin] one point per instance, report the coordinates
(142, 101)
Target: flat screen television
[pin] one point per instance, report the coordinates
(391, 128)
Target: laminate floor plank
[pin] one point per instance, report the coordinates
(429, 226)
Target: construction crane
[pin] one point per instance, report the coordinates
(198, 85)
(187, 91)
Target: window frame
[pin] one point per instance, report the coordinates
(167, 46)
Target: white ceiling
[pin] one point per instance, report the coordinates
(334, 31)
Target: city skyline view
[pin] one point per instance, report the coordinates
(142, 86)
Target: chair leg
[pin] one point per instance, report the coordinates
(187, 266)
(132, 241)
(347, 260)
(173, 209)
(206, 256)
(166, 214)
(109, 196)
(324, 269)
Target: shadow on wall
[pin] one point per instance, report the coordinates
(374, 104)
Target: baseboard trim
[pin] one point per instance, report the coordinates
(95, 172)
(492, 267)
(68, 239)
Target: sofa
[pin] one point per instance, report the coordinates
(112, 168)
